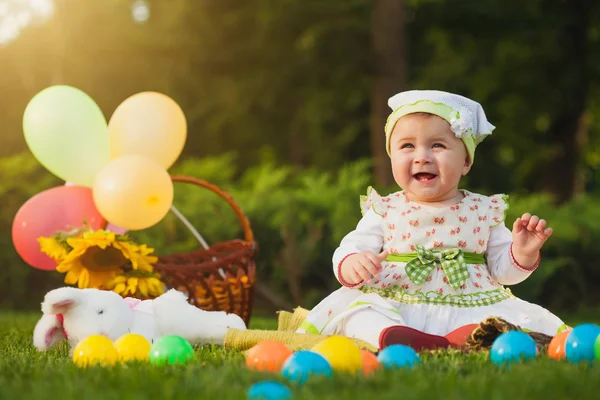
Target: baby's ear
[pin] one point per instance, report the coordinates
(59, 301)
(467, 166)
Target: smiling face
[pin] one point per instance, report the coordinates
(428, 160)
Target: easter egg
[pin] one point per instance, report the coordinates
(267, 356)
(580, 343)
(398, 356)
(556, 348)
(341, 352)
(597, 348)
(512, 347)
(269, 390)
(370, 363)
(303, 364)
(132, 347)
(171, 350)
(95, 350)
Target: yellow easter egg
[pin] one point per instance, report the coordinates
(132, 347)
(95, 350)
(343, 355)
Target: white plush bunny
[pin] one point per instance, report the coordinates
(74, 314)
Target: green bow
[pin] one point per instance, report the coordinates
(452, 263)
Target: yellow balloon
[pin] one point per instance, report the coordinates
(343, 355)
(133, 192)
(95, 350)
(150, 124)
(132, 347)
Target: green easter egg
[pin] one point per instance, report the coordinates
(171, 350)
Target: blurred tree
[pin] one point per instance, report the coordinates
(389, 76)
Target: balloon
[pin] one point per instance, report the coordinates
(116, 229)
(67, 133)
(58, 208)
(133, 192)
(149, 124)
(109, 227)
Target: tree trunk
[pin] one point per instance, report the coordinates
(568, 131)
(389, 66)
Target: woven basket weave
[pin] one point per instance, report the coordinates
(220, 278)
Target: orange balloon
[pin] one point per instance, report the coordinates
(556, 348)
(150, 124)
(370, 363)
(267, 356)
(133, 192)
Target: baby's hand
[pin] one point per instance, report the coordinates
(529, 235)
(362, 266)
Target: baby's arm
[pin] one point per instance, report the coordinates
(368, 236)
(501, 263)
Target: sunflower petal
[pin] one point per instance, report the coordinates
(84, 279)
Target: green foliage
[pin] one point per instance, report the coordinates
(216, 373)
(298, 217)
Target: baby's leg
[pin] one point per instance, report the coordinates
(367, 325)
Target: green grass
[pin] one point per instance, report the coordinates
(26, 373)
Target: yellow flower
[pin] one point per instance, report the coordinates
(137, 284)
(84, 277)
(99, 238)
(93, 260)
(52, 248)
(138, 255)
(99, 259)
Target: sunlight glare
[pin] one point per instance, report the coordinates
(15, 15)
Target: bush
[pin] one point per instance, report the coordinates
(298, 218)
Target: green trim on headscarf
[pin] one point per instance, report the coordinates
(427, 106)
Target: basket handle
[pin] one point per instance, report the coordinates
(249, 236)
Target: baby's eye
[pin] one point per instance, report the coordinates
(438, 145)
(407, 145)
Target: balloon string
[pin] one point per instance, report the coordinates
(190, 227)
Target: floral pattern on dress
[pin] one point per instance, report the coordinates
(465, 225)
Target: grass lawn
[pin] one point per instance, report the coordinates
(26, 373)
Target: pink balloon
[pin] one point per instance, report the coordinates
(116, 229)
(109, 227)
(58, 208)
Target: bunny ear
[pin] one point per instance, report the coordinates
(48, 332)
(59, 301)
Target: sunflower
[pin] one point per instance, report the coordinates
(53, 248)
(101, 259)
(137, 255)
(139, 284)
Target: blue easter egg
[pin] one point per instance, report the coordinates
(302, 364)
(512, 346)
(579, 345)
(269, 390)
(398, 356)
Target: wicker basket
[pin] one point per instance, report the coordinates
(220, 278)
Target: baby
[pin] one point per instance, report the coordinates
(428, 263)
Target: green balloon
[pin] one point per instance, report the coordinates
(171, 350)
(597, 348)
(67, 133)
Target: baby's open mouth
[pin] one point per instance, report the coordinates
(424, 176)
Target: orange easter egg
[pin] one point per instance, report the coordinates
(556, 348)
(370, 363)
(267, 356)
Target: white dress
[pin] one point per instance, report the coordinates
(437, 305)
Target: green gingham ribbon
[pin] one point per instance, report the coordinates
(453, 263)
